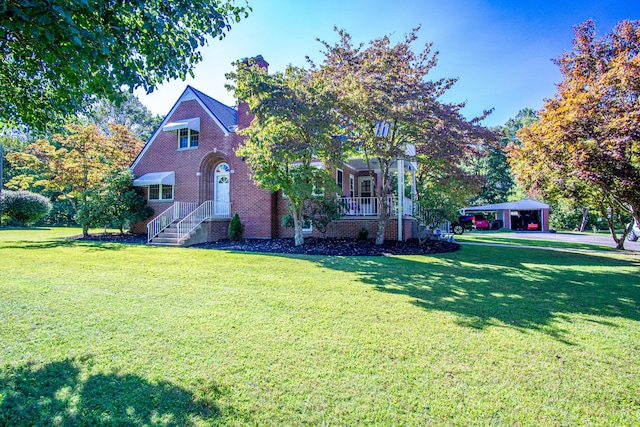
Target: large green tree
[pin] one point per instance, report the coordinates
(116, 203)
(389, 105)
(74, 164)
(130, 113)
(58, 54)
(586, 146)
(499, 184)
(292, 137)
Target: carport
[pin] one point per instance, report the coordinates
(523, 215)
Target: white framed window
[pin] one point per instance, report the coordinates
(188, 138)
(160, 192)
(339, 178)
(366, 186)
(352, 186)
(307, 226)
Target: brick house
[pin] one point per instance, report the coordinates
(194, 181)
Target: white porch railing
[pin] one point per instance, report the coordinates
(360, 206)
(407, 207)
(205, 212)
(369, 206)
(166, 218)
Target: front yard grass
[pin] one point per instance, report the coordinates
(107, 334)
(509, 239)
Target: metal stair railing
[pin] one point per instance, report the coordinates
(189, 223)
(168, 217)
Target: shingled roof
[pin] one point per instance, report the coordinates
(228, 116)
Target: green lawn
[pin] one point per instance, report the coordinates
(509, 239)
(108, 334)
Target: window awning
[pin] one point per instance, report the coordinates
(156, 178)
(193, 124)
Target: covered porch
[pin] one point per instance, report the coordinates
(360, 181)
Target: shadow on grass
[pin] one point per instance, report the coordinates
(524, 289)
(65, 243)
(66, 393)
(519, 241)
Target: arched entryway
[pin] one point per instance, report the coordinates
(221, 191)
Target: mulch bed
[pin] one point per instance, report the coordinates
(312, 246)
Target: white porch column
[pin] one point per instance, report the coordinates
(414, 189)
(400, 197)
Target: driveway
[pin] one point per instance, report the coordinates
(597, 239)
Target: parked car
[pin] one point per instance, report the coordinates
(468, 222)
(497, 224)
(465, 222)
(634, 234)
(481, 222)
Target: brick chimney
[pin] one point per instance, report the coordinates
(259, 61)
(244, 116)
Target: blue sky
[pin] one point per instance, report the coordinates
(500, 50)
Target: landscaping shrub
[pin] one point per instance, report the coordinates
(363, 234)
(322, 211)
(24, 207)
(236, 229)
(62, 214)
(287, 221)
(571, 219)
(116, 203)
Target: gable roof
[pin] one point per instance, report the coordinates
(225, 117)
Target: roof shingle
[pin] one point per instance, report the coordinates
(228, 116)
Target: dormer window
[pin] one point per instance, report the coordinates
(188, 131)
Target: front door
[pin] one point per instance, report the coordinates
(221, 192)
(367, 205)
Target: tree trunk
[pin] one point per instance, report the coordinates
(384, 218)
(85, 230)
(382, 224)
(585, 219)
(296, 213)
(611, 224)
(298, 237)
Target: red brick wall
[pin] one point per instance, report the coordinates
(163, 154)
(350, 228)
(260, 211)
(194, 170)
(218, 230)
(545, 220)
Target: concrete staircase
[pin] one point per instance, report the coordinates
(170, 237)
(184, 224)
